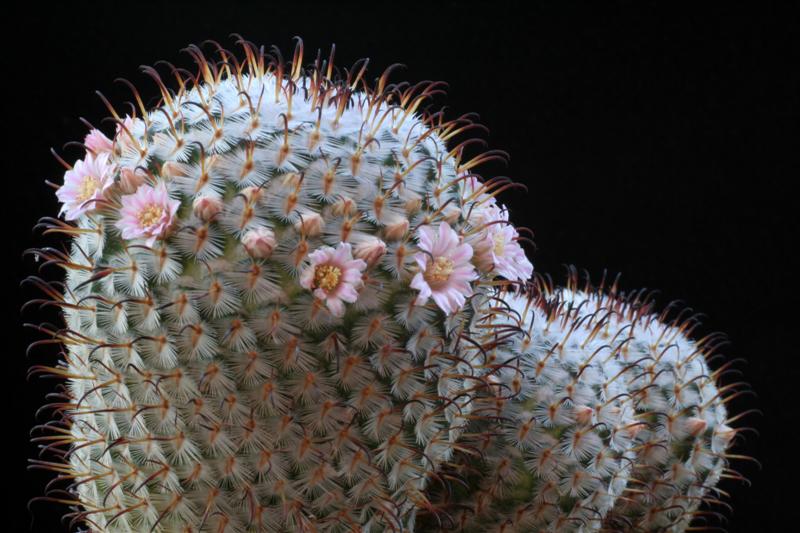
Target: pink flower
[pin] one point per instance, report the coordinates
(334, 276)
(147, 213)
(498, 247)
(445, 270)
(95, 141)
(85, 183)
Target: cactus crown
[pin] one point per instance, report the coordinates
(291, 306)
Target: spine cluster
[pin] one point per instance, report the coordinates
(291, 305)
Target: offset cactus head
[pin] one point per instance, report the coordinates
(290, 304)
(606, 417)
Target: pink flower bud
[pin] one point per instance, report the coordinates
(291, 179)
(128, 131)
(394, 231)
(413, 202)
(343, 206)
(252, 194)
(370, 250)
(170, 169)
(725, 434)
(451, 213)
(206, 208)
(310, 224)
(696, 426)
(583, 414)
(634, 429)
(259, 242)
(130, 180)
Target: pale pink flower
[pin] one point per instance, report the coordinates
(445, 269)
(334, 276)
(85, 183)
(148, 213)
(498, 248)
(259, 242)
(95, 141)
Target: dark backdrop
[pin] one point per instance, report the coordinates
(662, 150)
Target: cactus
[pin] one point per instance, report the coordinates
(609, 418)
(290, 305)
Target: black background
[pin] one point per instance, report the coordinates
(663, 148)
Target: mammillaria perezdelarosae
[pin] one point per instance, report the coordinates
(291, 304)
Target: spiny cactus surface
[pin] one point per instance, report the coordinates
(291, 305)
(607, 418)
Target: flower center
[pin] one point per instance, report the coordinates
(327, 277)
(439, 270)
(87, 188)
(150, 215)
(499, 244)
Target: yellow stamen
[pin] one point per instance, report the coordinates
(439, 270)
(327, 277)
(88, 186)
(499, 244)
(150, 215)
